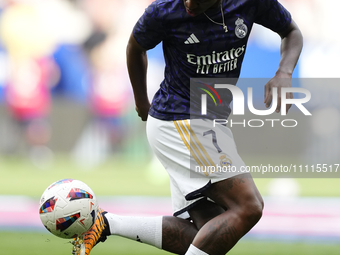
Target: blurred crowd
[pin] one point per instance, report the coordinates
(75, 49)
(69, 49)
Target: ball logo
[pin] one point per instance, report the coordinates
(42, 200)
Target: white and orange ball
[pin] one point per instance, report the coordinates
(68, 208)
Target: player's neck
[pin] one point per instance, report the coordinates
(217, 4)
(216, 8)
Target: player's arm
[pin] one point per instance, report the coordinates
(291, 46)
(137, 63)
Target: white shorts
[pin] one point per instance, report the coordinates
(195, 155)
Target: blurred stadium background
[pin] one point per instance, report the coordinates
(67, 111)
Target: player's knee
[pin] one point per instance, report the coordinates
(252, 210)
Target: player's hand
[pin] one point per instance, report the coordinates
(143, 111)
(278, 81)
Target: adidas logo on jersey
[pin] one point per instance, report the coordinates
(192, 39)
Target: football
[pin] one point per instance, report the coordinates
(68, 208)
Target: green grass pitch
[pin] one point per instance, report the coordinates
(15, 243)
(118, 177)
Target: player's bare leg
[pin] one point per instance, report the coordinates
(178, 233)
(204, 212)
(214, 227)
(243, 206)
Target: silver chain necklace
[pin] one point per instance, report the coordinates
(221, 24)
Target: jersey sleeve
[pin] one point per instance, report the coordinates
(271, 14)
(149, 30)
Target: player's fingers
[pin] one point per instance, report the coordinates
(278, 106)
(268, 99)
(139, 112)
(266, 92)
(290, 96)
(143, 115)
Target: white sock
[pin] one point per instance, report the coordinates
(195, 251)
(143, 229)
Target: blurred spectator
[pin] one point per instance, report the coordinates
(110, 95)
(76, 49)
(30, 32)
(31, 73)
(80, 57)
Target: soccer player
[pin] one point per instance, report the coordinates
(204, 39)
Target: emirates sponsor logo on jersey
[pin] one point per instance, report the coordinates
(217, 62)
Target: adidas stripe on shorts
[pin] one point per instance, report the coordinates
(195, 154)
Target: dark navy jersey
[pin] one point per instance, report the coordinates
(195, 47)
